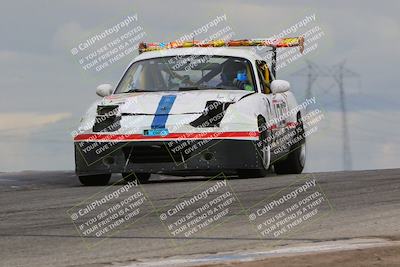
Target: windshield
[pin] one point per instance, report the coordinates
(194, 72)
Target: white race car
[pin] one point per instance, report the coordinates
(193, 109)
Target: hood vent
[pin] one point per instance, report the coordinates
(107, 119)
(212, 115)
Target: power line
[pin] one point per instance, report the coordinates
(312, 71)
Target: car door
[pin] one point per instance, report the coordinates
(280, 109)
(276, 108)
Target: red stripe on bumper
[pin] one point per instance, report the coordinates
(291, 124)
(273, 126)
(124, 137)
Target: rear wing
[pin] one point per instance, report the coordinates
(274, 43)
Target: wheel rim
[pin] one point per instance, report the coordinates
(265, 150)
(266, 158)
(303, 154)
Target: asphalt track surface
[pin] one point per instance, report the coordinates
(36, 230)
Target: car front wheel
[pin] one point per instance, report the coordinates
(263, 151)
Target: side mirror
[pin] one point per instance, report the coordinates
(104, 90)
(280, 86)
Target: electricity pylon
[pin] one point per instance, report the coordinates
(338, 72)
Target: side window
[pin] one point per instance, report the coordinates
(261, 78)
(267, 73)
(264, 75)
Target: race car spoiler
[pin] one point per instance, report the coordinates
(274, 43)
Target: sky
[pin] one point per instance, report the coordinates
(45, 91)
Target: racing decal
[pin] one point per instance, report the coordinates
(163, 109)
(291, 124)
(280, 109)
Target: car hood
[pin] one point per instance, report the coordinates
(183, 102)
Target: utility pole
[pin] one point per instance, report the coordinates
(312, 75)
(312, 71)
(339, 73)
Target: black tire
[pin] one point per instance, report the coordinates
(257, 173)
(95, 180)
(292, 164)
(295, 161)
(143, 178)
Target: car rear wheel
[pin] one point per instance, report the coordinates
(95, 180)
(294, 163)
(141, 177)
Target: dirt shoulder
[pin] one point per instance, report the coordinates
(379, 256)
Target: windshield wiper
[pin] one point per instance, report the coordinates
(189, 88)
(137, 90)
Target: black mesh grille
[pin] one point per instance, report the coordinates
(110, 110)
(150, 154)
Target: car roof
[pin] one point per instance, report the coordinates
(220, 51)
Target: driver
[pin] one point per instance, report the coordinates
(233, 74)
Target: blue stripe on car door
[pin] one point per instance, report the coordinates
(163, 109)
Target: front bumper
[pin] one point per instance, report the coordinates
(181, 157)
